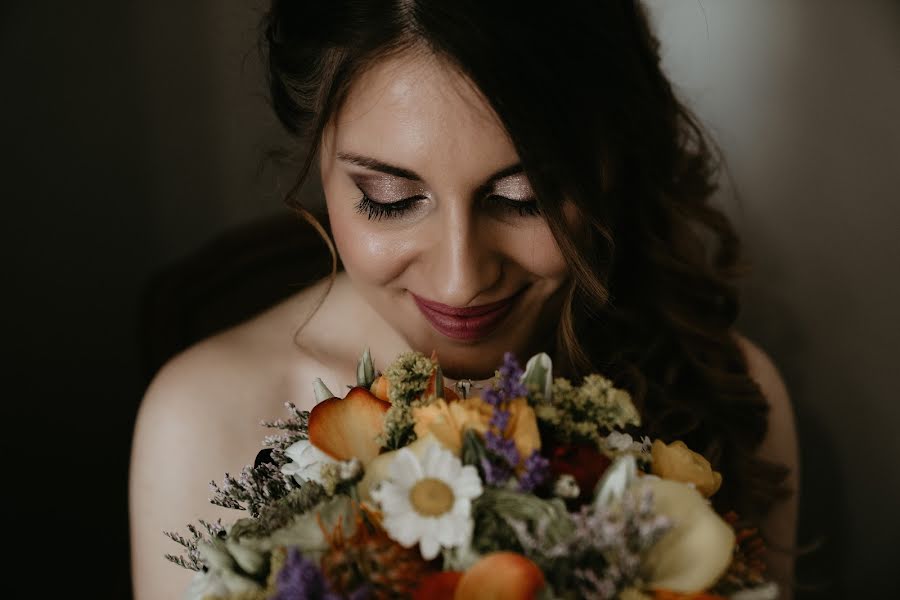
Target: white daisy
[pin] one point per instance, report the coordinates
(428, 501)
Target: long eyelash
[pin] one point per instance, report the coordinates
(527, 208)
(376, 211)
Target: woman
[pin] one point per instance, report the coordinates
(498, 177)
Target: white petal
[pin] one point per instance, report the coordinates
(392, 498)
(405, 528)
(449, 465)
(467, 485)
(615, 481)
(435, 463)
(296, 450)
(290, 468)
(311, 471)
(405, 470)
(462, 508)
(455, 468)
(465, 533)
(539, 370)
(429, 547)
(431, 462)
(446, 530)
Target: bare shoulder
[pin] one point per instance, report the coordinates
(780, 441)
(779, 446)
(205, 401)
(238, 368)
(198, 420)
(764, 371)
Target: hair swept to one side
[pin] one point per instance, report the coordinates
(579, 87)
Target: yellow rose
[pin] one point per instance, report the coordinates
(448, 420)
(522, 427)
(679, 463)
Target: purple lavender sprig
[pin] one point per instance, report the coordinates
(604, 544)
(301, 578)
(503, 455)
(537, 470)
(509, 383)
(501, 460)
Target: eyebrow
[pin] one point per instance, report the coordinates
(374, 164)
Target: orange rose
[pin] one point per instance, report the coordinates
(522, 427)
(448, 420)
(501, 576)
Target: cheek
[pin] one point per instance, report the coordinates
(535, 250)
(370, 255)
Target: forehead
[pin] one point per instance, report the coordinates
(417, 111)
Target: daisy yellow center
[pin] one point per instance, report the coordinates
(431, 497)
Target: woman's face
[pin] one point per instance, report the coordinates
(434, 220)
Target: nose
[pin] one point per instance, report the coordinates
(465, 261)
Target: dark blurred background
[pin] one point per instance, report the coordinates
(133, 137)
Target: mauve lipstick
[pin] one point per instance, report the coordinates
(468, 323)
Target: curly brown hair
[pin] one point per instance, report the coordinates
(578, 86)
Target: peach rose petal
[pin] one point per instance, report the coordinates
(348, 427)
(501, 576)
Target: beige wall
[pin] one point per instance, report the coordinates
(804, 97)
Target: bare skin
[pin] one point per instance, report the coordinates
(463, 242)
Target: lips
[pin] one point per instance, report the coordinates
(467, 323)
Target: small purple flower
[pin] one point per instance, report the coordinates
(499, 467)
(301, 579)
(504, 448)
(537, 469)
(492, 396)
(511, 385)
(500, 419)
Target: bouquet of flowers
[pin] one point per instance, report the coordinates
(528, 487)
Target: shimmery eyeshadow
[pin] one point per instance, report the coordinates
(390, 189)
(514, 187)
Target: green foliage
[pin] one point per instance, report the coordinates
(407, 379)
(283, 511)
(496, 510)
(473, 451)
(294, 429)
(586, 412)
(199, 535)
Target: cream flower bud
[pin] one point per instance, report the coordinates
(695, 553)
(307, 462)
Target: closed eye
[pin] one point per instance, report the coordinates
(522, 208)
(376, 210)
